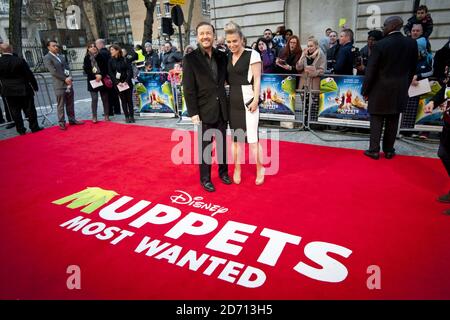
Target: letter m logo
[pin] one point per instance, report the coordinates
(90, 198)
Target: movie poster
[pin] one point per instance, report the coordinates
(278, 97)
(156, 97)
(341, 101)
(430, 121)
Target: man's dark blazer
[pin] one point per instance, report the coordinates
(16, 77)
(201, 92)
(391, 68)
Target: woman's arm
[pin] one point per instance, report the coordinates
(256, 70)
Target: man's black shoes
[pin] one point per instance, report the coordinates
(208, 186)
(225, 179)
(444, 198)
(389, 155)
(373, 155)
(76, 122)
(37, 129)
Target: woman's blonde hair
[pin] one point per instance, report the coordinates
(313, 40)
(233, 28)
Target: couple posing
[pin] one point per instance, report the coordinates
(205, 71)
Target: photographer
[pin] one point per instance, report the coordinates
(362, 59)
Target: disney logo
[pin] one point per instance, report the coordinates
(197, 202)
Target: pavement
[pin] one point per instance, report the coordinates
(350, 138)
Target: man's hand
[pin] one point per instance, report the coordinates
(414, 82)
(68, 81)
(429, 107)
(195, 119)
(98, 77)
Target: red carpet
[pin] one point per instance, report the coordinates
(344, 211)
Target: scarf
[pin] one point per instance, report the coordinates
(95, 69)
(311, 57)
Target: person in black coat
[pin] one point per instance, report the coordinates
(389, 73)
(204, 74)
(121, 74)
(113, 98)
(18, 86)
(441, 60)
(91, 66)
(344, 56)
(442, 99)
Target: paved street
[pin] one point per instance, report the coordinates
(349, 139)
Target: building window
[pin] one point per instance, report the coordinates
(119, 23)
(4, 7)
(82, 41)
(110, 23)
(117, 7)
(127, 21)
(167, 9)
(125, 7)
(130, 38)
(206, 8)
(158, 10)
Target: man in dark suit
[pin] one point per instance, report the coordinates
(389, 73)
(62, 82)
(17, 85)
(344, 56)
(204, 74)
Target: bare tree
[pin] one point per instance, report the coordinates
(187, 24)
(84, 20)
(148, 22)
(15, 25)
(99, 8)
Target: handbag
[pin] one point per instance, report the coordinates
(107, 82)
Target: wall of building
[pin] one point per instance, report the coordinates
(317, 16)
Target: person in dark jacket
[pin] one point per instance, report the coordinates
(91, 67)
(344, 58)
(391, 68)
(18, 85)
(121, 74)
(170, 57)
(421, 17)
(442, 98)
(113, 98)
(152, 57)
(441, 60)
(366, 51)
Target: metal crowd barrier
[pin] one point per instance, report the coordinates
(43, 99)
(6, 109)
(306, 108)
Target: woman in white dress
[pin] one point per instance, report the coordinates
(244, 78)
